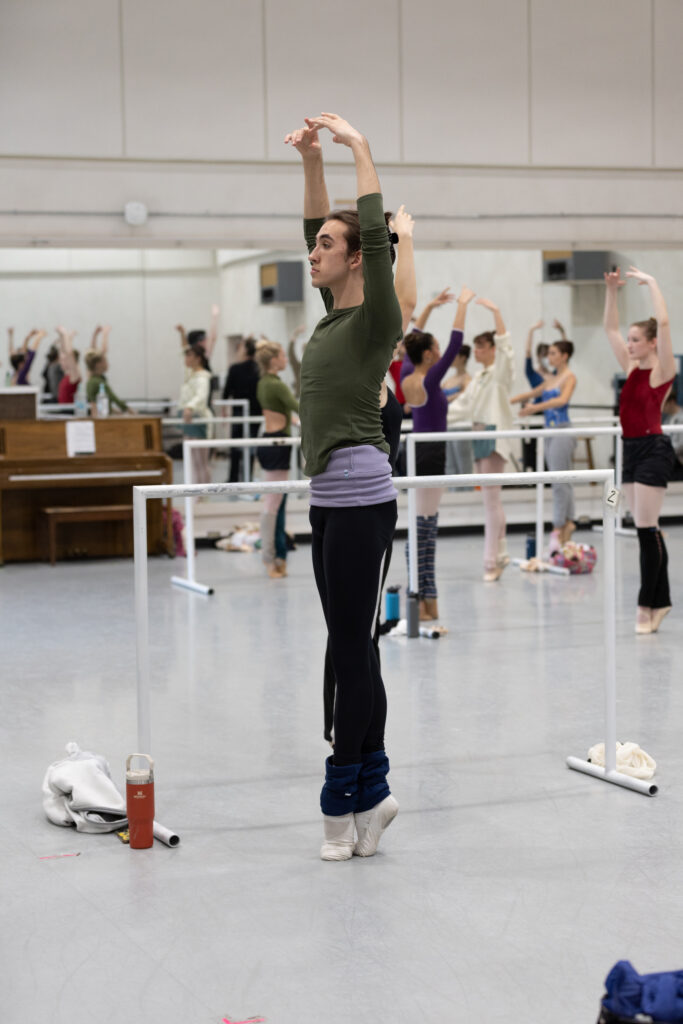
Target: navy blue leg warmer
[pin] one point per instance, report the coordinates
(339, 795)
(372, 780)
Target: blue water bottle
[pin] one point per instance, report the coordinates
(392, 604)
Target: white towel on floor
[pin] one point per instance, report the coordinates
(78, 790)
(631, 760)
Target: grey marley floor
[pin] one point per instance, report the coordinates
(504, 891)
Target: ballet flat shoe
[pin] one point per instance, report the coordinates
(340, 836)
(371, 824)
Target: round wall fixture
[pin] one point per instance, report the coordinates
(135, 214)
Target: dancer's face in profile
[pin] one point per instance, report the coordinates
(639, 345)
(484, 351)
(556, 359)
(278, 362)
(433, 354)
(330, 261)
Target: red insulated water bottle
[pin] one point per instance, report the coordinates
(140, 803)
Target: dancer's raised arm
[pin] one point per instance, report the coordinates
(212, 336)
(665, 354)
(530, 338)
(307, 144)
(405, 280)
(498, 319)
(440, 300)
(610, 321)
(344, 134)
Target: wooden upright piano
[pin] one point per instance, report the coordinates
(36, 474)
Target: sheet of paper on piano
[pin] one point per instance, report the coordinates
(80, 438)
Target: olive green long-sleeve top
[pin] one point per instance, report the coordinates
(273, 394)
(92, 390)
(349, 352)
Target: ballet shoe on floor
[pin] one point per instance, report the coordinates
(340, 837)
(274, 571)
(371, 824)
(281, 566)
(656, 617)
(644, 621)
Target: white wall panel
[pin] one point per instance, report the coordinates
(60, 85)
(668, 76)
(591, 75)
(343, 58)
(193, 79)
(465, 81)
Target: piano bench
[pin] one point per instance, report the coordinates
(81, 514)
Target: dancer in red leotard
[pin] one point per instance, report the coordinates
(647, 358)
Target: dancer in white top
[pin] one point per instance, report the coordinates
(486, 402)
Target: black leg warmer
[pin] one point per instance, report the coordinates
(654, 576)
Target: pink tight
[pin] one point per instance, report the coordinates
(494, 515)
(201, 470)
(271, 502)
(645, 503)
(428, 500)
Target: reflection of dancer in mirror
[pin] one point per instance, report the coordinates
(279, 407)
(21, 359)
(353, 501)
(646, 357)
(68, 360)
(486, 402)
(422, 387)
(551, 397)
(97, 363)
(193, 404)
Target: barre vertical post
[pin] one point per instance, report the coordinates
(618, 472)
(540, 519)
(412, 596)
(142, 618)
(189, 511)
(189, 582)
(609, 557)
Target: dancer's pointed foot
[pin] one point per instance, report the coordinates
(656, 618)
(644, 620)
(371, 824)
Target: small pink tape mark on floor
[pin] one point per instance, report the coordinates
(249, 1020)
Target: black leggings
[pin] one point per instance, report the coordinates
(348, 546)
(329, 679)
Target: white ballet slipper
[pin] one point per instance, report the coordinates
(371, 824)
(340, 836)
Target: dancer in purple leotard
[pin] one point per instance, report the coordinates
(423, 370)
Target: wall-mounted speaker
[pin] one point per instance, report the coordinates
(282, 281)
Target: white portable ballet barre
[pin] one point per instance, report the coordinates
(236, 404)
(189, 582)
(606, 476)
(525, 478)
(242, 403)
